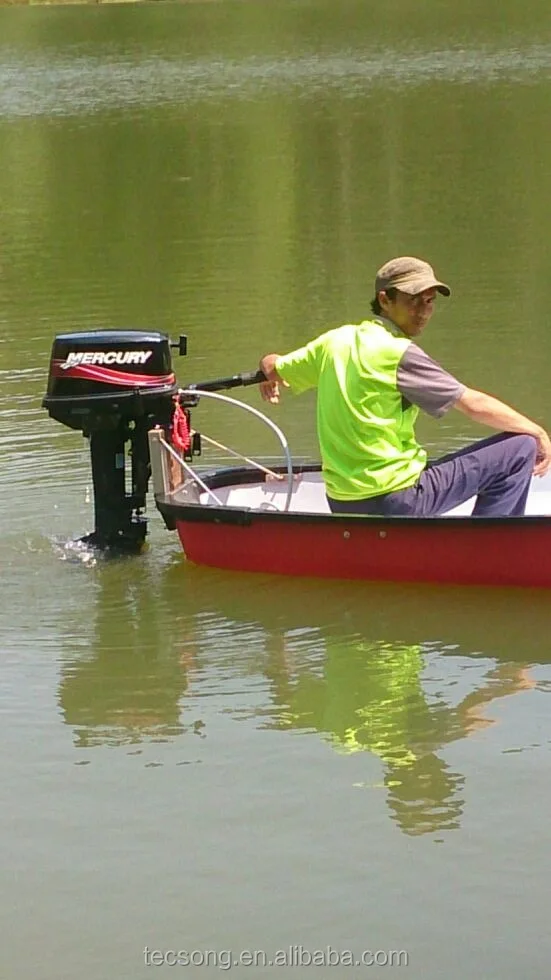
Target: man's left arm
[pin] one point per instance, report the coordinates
(423, 382)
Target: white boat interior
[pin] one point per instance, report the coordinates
(308, 496)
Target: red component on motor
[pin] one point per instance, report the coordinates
(180, 432)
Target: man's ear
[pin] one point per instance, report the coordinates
(383, 299)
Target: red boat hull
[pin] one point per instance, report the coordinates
(463, 551)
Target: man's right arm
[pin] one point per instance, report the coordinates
(298, 369)
(487, 410)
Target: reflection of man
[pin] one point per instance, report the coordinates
(424, 797)
(370, 698)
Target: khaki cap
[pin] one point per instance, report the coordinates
(409, 275)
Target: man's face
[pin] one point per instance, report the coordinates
(410, 313)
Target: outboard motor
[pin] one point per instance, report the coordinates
(113, 386)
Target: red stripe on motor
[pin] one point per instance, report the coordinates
(109, 376)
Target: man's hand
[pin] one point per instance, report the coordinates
(543, 458)
(269, 389)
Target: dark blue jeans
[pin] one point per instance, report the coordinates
(497, 471)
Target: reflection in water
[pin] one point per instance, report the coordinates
(130, 689)
(345, 660)
(369, 696)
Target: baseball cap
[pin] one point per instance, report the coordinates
(409, 275)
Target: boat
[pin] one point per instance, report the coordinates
(119, 389)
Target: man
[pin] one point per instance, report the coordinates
(372, 379)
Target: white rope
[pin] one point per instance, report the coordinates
(232, 452)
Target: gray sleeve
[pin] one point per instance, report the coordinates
(424, 383)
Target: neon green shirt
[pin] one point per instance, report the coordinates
(365, 429)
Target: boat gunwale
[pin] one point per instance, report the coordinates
(241, 476)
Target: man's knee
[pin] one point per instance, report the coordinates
(526, 448)
(531, 445)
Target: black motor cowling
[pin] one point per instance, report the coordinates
(114, 386)
(95, 374)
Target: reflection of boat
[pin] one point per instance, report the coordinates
(395, 673)
(507, 625)
(395, 676)
(119, 389)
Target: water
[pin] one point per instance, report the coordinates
(198, 761)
